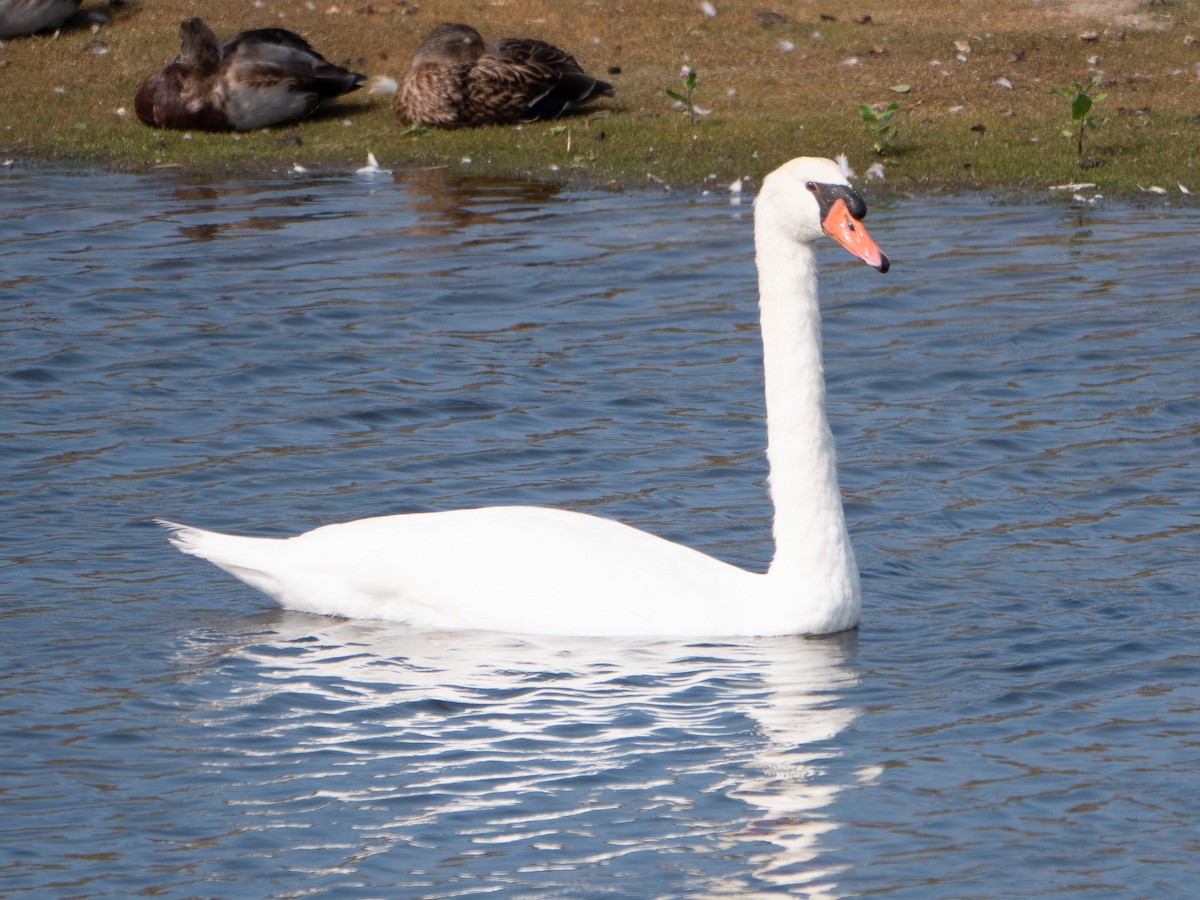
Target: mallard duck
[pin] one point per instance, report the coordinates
(457, 80)
(258, 78)
(21, 17)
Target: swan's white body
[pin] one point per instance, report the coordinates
(549, 571)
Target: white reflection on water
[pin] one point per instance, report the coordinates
(542, 752)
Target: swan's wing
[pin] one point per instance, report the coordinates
(520, 569)
(526, 569)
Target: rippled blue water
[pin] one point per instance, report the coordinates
(1016, 406)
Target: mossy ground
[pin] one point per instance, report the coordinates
(770, 91)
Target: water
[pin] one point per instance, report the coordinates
(1016, 408)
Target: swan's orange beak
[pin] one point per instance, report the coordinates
(848, 231)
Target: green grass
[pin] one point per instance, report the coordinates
(765, 104)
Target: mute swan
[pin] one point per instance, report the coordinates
(457, 80)
(254, 80)
(550, 571)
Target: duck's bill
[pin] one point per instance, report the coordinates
(848, 231)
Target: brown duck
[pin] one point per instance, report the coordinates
(456, 80)
(258, 78)
(21, 17)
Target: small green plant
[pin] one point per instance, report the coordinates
(1082, 100)
(416, 129)
(559, 131)
(688, 75)
(578, 159)
(878, 119)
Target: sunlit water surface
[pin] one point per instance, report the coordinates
(1016, 406)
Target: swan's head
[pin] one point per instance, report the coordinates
(809, 197)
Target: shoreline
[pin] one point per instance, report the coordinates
(976, 113)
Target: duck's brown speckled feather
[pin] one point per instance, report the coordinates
(457, 81)
(434, 95)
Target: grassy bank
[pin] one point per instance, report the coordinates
(975, 112)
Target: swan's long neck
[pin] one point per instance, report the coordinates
(811, 543)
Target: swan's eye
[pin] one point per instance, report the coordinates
(812, 186)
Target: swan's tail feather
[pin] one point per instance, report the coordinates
(182, 537)
(242, 557)
(217, 548)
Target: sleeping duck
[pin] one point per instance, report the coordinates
(21, 17)
(254, 80)
(456, 80)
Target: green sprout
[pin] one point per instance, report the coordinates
(1082, 99)
(685, 99)
(879, 124)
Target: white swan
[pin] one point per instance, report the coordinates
(549, 571)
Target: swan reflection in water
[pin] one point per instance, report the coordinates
(553, 752)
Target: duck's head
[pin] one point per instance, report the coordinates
(449, 44)
(198, 47)
(811, 196)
